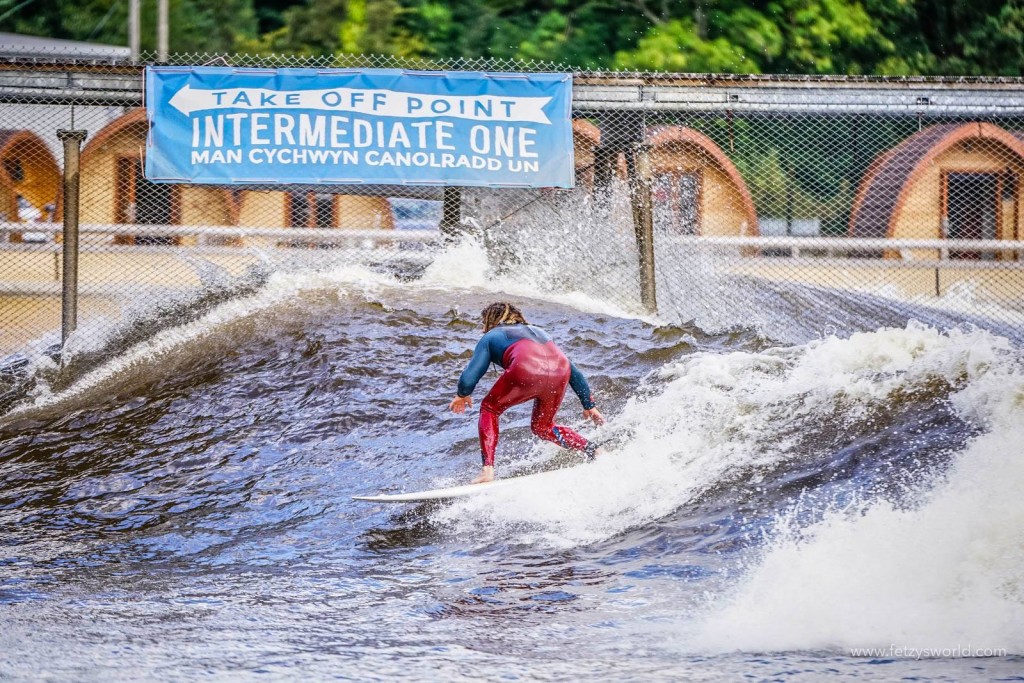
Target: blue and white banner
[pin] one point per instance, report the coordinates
(366, 126)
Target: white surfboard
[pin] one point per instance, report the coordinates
(460, 491)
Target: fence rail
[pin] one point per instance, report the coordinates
(840, 244)
(849, 244)
(223, 231)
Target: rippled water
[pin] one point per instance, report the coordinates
(184, 510)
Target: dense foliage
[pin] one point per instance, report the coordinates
(753, 36)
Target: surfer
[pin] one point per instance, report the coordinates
(534, 369)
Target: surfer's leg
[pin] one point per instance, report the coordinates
(545, 407)
(505, 393)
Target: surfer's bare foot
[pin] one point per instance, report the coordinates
(486, 475)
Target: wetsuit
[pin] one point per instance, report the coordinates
(535, 368)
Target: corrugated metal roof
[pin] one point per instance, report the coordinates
(20, 45)
(886, 181)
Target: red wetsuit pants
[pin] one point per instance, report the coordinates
(532, 371)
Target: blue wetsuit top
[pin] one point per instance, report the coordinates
(492, 347)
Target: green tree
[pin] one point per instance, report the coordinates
(369, 27)
(310, 28)
(996, 45)
(676, 46)
(781, 36)
(952, 37)
(778, 36)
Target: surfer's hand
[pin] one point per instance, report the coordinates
(594, 415)
(460, 403)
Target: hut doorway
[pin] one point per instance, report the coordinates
(142, 202)
(972, 209)
(311, 210)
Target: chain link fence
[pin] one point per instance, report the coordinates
(843, 210)
(797, 206)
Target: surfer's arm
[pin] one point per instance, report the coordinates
(477, 367)
(579, 385)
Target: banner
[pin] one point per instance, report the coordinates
(358, 126)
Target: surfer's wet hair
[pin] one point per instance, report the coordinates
(501, 313)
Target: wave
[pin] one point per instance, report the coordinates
(922, 536)
(528, 259)
(943, 572)
(102, 349)
(717, 423)
(279, 289)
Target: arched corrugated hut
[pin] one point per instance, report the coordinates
(697, 190)
(585, 138)
(114, 189)
(28, 171)
(956, 180)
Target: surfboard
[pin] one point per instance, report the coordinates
(461, 491)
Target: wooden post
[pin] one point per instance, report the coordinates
(451, 213)
(638, 162)
(72, 140)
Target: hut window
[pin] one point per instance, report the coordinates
(298, 210)
(689, 195)
(323, 213)
(676, 199)
(1010, 181)
(311, 210)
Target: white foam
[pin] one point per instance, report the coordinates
(717, 417)
(465, 266)
(947, 574)
(964, 298)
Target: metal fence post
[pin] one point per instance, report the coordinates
(134, 32)
(163, 31)
(451, 212)
(72, 140)
(639, 169)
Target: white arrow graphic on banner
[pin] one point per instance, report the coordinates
(366, 101)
